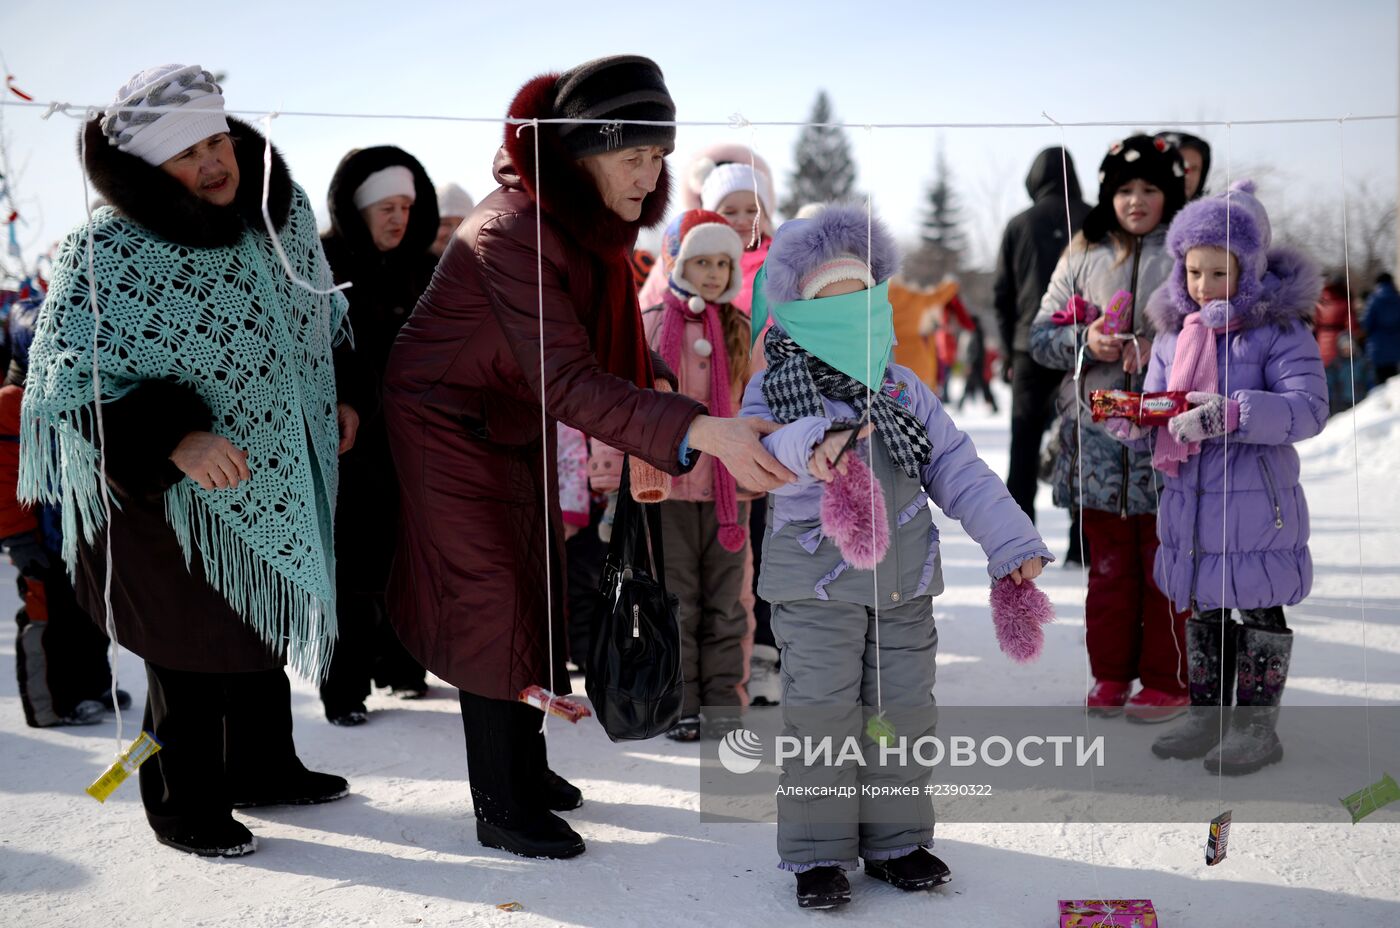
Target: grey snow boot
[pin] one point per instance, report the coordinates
(1251, 741)
(1209, 649)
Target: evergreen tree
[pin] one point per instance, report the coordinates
(942, 225)
(825, 172)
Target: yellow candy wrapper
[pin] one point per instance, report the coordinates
(141, 750)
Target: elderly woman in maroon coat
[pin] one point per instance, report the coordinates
(547, 251)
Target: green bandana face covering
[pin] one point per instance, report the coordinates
(835, 329)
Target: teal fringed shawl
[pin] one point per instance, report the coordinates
(229, 323)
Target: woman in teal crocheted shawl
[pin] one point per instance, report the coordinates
(218, 418)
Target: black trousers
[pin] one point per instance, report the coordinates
(60, 653)
(1269, 618)
(977, 387)
(367, 649)
(762, 611)
(1033, 390)
(584, 555)
(506, 759)
(221, 735)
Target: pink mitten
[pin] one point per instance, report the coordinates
(1019, 612)
(847, 511)
(1077, 310)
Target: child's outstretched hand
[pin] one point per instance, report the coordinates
(1029, 570)
(820, 464)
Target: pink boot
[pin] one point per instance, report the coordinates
(1107, 697)
(1151, 706)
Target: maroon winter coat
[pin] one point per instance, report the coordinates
(462, 402)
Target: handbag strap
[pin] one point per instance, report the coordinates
(650, 515)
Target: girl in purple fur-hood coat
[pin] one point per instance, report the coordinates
(1233, 521)
(1269, 368)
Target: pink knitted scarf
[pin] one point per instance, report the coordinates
(731, 534)
(1194, 369)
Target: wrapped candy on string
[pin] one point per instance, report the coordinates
(542, 699)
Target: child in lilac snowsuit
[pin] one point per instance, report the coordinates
(1233, 323)
(826, 615)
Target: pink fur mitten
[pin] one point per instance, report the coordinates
(847, 511)
(1019, 612)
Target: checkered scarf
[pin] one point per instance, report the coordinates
(797, 380)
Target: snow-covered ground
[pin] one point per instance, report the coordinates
(402, 850)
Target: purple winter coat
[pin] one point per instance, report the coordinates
(798, 563)
(1275, 373)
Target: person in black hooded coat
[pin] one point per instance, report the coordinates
(1030, 247)
(383, 210)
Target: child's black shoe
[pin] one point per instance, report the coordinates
(687, 729)
(919, 869)
(823, 888)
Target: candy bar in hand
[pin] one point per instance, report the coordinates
(1139, 408)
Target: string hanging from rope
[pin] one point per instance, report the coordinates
(1356, 450)
(98, 417)
(1095, 839)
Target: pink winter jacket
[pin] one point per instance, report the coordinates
(697, 486)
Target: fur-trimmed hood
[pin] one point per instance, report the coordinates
(349, 226)
(567, 192)
(153, 199)
(1288, 291)
(801, 244)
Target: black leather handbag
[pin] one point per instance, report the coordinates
(634, 671)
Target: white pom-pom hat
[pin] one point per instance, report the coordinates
(703, 232)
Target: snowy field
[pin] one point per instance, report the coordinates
(401, 850)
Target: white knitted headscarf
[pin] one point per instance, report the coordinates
(135, 126)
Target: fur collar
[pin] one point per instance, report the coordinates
(1288, 292)
(349, 226)
(153, 199)
(570, 196)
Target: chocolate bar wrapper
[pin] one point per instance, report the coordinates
(1146, 409)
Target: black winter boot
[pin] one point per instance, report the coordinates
(1252, 740)
(919, 869)
(508, 767)
(1200, 730)
(823, 888)
(297, 787)
(218, 837)
(559, 794)
(529, 834)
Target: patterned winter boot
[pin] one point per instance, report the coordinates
(1200, 731)
(1251, 741)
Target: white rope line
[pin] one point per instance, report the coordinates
(110, 618)
(1225, 485)
(1356, 453)
(869, 337)
(77, 110)
(1094, 837)
(267, 216)
(544, 417)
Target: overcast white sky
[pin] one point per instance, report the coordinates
(988, 61)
